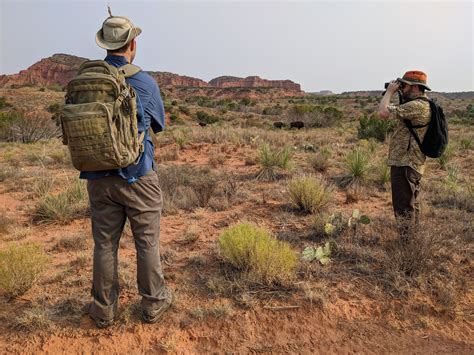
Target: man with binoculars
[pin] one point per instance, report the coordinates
(405, 158)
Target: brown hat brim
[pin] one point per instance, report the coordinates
(414, 83)
(102, 43)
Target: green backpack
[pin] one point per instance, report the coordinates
(99, 120)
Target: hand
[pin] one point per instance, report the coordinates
(393, 87)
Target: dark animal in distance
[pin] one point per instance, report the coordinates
(297, 124)
(279, 125)
(202, 124)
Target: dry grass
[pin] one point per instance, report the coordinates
(73, 242)
(263, 258)
(36, 319)
(64, 207)
(309, 194)
(20, 268)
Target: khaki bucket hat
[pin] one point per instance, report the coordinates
(116, 32)
(415, 77)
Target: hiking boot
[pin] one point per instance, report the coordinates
(154, 315)
(103, 323)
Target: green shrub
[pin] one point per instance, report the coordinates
(4, 103)
(308, 194)
(253, 250)
(206, 118)
(271, 159)
(357, 164)
(374, 127)
(184, 109)
(316, 116)
(20, 268)
(63, 207)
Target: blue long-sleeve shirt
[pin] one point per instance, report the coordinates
(150, 113)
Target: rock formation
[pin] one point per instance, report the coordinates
(52, 71)
(165, 79)
(59, 69)
(253, 82)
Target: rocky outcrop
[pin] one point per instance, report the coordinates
(52, 71)
(59, 69)
(165, 79)
(253, 82)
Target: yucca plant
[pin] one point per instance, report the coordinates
(451, 181)
(271, 159)
(446, 157)
(357, 164)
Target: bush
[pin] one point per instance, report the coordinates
(20, 268)
(272, 158)
(316, 116)
(4, 103)
(19, 127)
(308, 194)
(204, 117)
(374, 127)
(64, 207)
(253, 250)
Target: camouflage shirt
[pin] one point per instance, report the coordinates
(403, 149)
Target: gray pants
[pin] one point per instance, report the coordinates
(112, 200)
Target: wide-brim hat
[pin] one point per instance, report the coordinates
(415, 77)
(116, 32)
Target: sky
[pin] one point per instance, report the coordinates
(322, 45)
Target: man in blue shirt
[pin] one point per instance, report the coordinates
(132, 192)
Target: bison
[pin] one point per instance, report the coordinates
(297, 124)
(279, 125)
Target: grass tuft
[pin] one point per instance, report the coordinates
(309, 194)
(253, 250)
(20, 268)
(63, 207)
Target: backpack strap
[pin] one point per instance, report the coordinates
(130, 70)
(411, 127)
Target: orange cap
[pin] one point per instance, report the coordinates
(415, 77)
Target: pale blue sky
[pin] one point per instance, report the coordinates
(323, 45)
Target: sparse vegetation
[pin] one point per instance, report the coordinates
(63, 207)
(261, 257)
(446, 157)
(309, 194)
(271, 159)
(319, 162)
(374, 127)
(20, 268)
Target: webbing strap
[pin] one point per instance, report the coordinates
(118, 102)
(130, 70)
